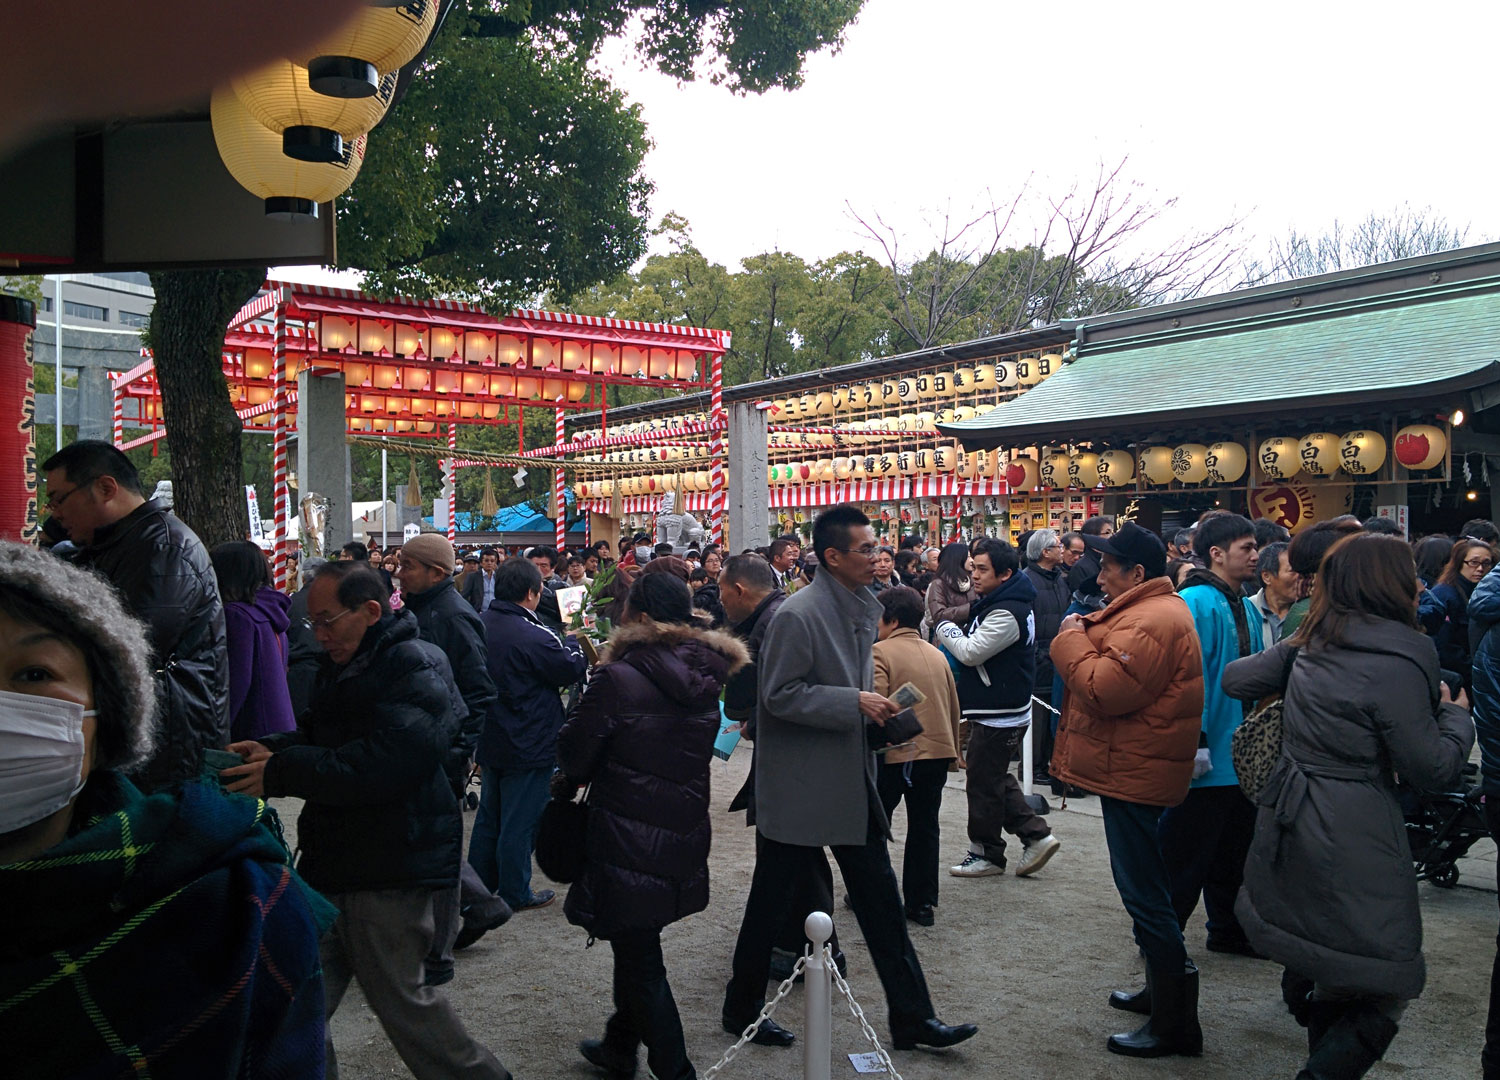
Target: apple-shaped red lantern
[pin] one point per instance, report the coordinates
(1420, 446)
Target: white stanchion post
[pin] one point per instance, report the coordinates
(1029, 766)
(817, 985)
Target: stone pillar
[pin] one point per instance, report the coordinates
(748, 515)
(322, 454)
(96, 404)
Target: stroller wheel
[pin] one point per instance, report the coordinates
(1445, 877)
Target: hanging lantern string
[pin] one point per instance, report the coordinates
(486, 457)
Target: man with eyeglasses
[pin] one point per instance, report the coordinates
(381, 832)
(164, 576)
(815, 786)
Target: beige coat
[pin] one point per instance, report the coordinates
(905, 658)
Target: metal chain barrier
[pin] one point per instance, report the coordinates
(859, 1014)
(765, 1014)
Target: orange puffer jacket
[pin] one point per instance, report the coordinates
(1133, 705)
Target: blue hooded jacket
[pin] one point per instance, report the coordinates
(1222, 714)
(1484, 615)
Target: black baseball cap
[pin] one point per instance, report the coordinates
(1133, 544)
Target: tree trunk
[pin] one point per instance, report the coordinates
(193, 307)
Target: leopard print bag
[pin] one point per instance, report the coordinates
(1255, 747)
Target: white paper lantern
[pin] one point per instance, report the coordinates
(1116, 468)
(1226, 462)
(1420, 446)
(1189, 464)
(1361, 453)
(1319, 453)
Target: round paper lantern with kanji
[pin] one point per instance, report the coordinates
(860, 467)
(823, 470)
(866, 395)
(807, 405)
(1319, 453)
(823, 404)
(1156, 464)
(964, 412)
(1420, 446)
(1048, 364)
(1279, 458)
(944, 460)
(1007, 377)
(1022, 473)
(927, 386)
(1054, 470)
(1083, 471)
(906, 389)
(963, 381)
(906, 462)
(984, 377)
(890, 392)
(1226, 462)
(1190, 463)
(843, 468)
(885, 466)
(841, 397)
(1029, 371)
(1361, 453)
(1116, 468)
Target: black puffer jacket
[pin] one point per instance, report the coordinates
(445, 618)
(368, 757)
(1051, 603)
(642, 735)
(163, 575)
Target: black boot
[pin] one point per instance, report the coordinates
(1137, 1002)
(1173, 1027)
(616, 1052)
(1351, 1045)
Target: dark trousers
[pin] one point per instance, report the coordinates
(1141, 877)
(645, 1011)
(814, 893)
(920, 783)
(1041, 736)
(510, 807)
(995, 799)
(1204, 841)
(877, 906)
(1490, 1060)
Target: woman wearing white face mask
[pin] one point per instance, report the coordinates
(184, 899)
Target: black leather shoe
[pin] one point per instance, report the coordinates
(922, 916)
(770, 1033)
(1138, 1002)
(932, 1033)
(601, 1055)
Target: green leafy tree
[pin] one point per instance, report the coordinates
(512, 168)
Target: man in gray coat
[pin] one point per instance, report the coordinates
(815, 785)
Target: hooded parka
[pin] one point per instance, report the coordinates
(642, 735)
(1330, 890)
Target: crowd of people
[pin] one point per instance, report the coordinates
(158, 694)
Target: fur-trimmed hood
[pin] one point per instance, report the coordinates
(688, 663)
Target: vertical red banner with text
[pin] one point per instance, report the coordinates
(18, 509)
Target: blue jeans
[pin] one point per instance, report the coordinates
(510, 805)
(1140, 875)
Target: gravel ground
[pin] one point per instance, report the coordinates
(1029, 960)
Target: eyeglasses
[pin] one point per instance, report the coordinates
(1479, 564)
(55, 503)
(869, 551)
(324, 624)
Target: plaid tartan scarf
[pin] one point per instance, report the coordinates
(166, 937)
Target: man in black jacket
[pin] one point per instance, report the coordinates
(425, 564)
(518, 743)
(163, 575)
(1044, 554)
(381, 831)
(997, 657)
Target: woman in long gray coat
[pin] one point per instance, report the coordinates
(1329, 886)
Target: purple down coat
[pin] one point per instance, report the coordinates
(642, 735)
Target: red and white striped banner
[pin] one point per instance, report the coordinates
(557, 481)
(279, 484)
(256, 307)
(717, 495)
(451, 471)
(119, 413)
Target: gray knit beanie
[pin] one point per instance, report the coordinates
(85, 609)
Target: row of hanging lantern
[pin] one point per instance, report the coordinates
(1007, 374)
(1319, 455)
(381, 339)
(654, 484)
(293, 132)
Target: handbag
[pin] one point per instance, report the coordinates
(1255, 746)
(561, 837)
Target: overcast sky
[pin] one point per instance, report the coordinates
(1284, 114)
